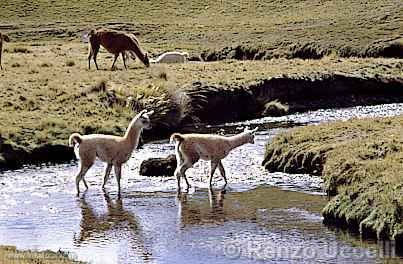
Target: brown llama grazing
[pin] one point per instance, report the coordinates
(3, 38)
(114, 42)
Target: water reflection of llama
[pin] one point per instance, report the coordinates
(115, 224)
(197, 212)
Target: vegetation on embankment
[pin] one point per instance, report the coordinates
(361, 161)
(10, 255)
(48, 93)
(225, 29)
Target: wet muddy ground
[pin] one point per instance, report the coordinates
(260, 217)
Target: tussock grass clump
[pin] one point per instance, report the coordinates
(275, 108)
(386, 50)
(163, 75)
(100, 86)
(20, 50)
(362, 165)
(33, 71)
(307, 50)
(70, 63)
(45, 65)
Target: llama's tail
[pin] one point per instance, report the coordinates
(74, 139)
(177, 137)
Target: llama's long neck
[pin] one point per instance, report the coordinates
(238, 140)
(132, 135)
(136, 49)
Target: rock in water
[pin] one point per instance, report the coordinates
(158, 166)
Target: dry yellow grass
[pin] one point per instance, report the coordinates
(199, 25)
(47, 96)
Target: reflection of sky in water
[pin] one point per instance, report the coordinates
(39, 209)
(327, 115)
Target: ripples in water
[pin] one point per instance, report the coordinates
(151, 223)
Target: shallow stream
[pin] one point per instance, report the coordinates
(260, 217)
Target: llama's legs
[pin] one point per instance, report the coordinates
(179, 162)
(107, 172)
(180, 171)
(1, 67)
(85, 183)
(178, 177)
(93, 52)
(114, 61)
(124, 59)
(118, 174)
(90, 54)
(186, 180)
(80, 176)
(95, 57)
(214, 165)
(222, 171)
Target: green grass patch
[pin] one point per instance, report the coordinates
(361, 162)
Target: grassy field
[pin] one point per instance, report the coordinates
(48, 92)
(10, 255)
(277, 26)
(362, 165)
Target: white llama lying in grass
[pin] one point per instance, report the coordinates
(189, 148)
(171, 57)
(113, 150)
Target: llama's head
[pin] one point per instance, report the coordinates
(250, 135)
(146, 60)
(144, 119)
